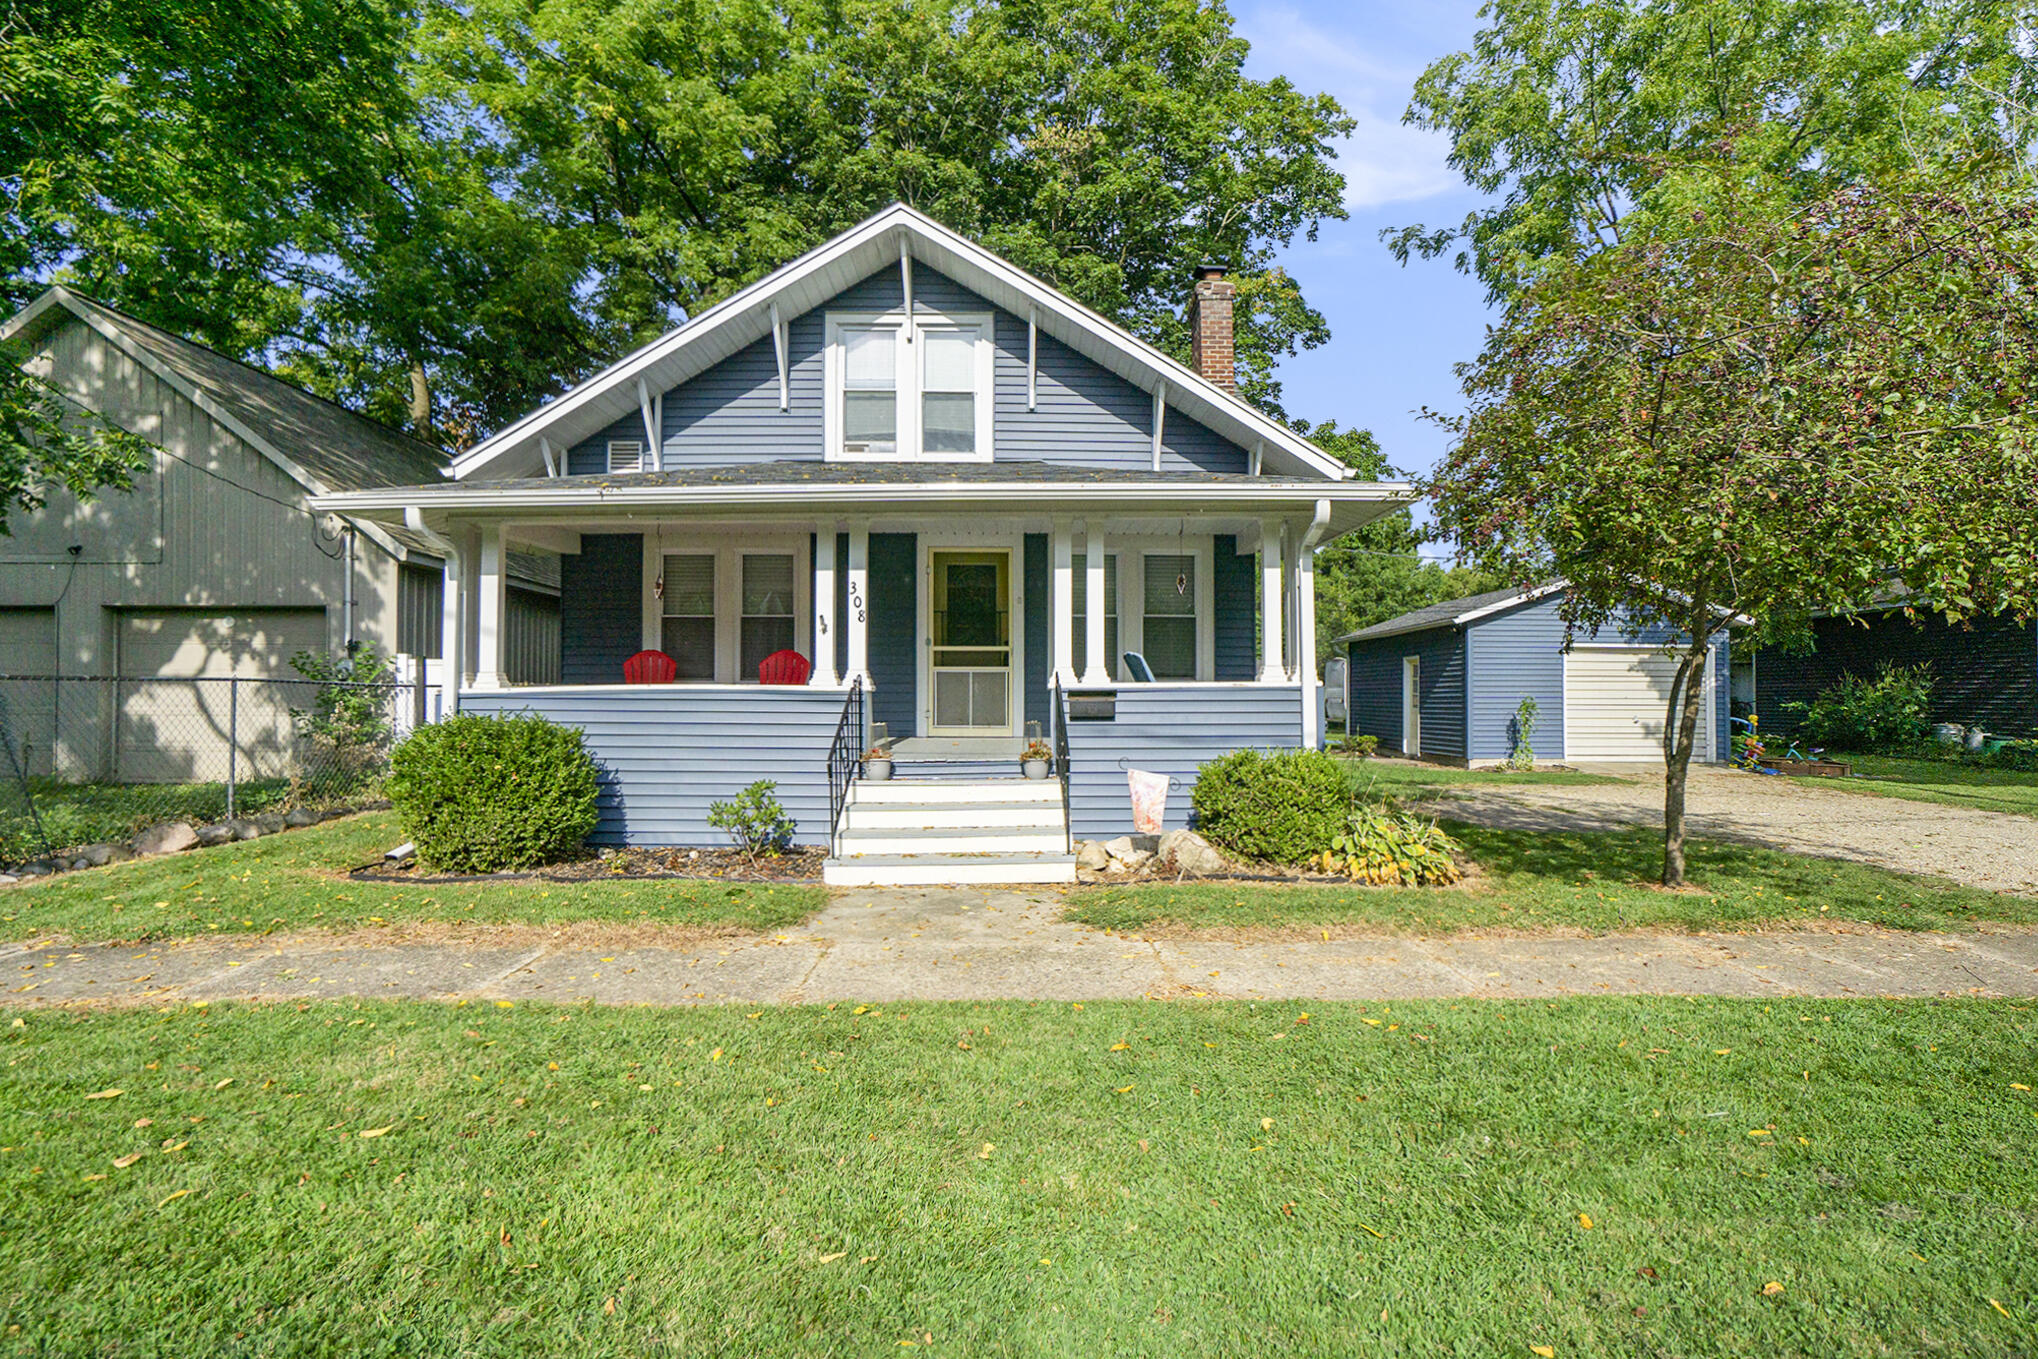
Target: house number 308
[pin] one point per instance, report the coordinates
(856, 602)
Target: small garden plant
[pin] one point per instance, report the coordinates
(756, 819)
(1037, 749)
(1888, 712)
(1391, 849)
(347, 721)
(1524, 754)
(493, 794)
(1356, 743)
(1280, 807)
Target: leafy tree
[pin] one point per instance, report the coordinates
(1764, 407)
(1573, 116)
(45, 443)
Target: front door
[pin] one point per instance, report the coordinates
(1411, 706)
(971, 641)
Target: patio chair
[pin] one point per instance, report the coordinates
(649, 667)
(784, 667)
(1136, 666)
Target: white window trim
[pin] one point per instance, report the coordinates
(908, 382)
(1132, 594)
(729, 550)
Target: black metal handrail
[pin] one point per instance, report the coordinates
(1061, 761)
(845, 760)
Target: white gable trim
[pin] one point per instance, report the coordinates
(805, 284)
(107, 329)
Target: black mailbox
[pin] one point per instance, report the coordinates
(1096, 706)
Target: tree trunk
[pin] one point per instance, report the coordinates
(421, 402)
(1680, 734)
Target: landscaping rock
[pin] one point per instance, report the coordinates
(37, 868)
(1125, 846)
(98, 856)
(172, 837)
(269, 824)
(216, 833)
(297, 818)
(1192, 854)
(247, 829)
(8, 879)
(1092, 855)
(1138, 859)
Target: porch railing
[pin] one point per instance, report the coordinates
(845, 760)
(1061, 761)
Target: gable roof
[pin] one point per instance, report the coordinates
(815, 277)
(321, 444)
(1453, 612)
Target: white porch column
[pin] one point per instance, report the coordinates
(452, 626)
(824, 605)
(1062, 599)
(1096, 667)
(1305, 643)
(858, 621)
(1271, 603)
(492, 600)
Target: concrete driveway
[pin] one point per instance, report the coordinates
(1992, 850)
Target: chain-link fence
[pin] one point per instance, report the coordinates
(85, 760)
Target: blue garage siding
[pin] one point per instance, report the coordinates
(894, 631)
(601, 607)
(1512, 656)
(1376, 689)
(1170, 729)
(1086, 415)
(666, 751)
(1234, 597)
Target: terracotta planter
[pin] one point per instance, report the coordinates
(1035, 769)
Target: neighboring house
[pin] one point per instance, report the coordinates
(1984, 672)
(961, 496)
(214, 564)
(1445, 682)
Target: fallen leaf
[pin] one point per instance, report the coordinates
(715, 1056)
(173, 1198)
(1585, 1222)
(143, 1122)
(1121, 1047)
(1142, 1144)
(1126, 1089)
(831, 1259)
(1546, 1351)
(221, 1085)
(1266, 1125)
(1374, 1022)
(2016, 1086)
(1721, 1052)
(1759, 1132)
(1376, 1232)
(378, 1132)
(1771, 1289)
(2000, 1308)
(608, 1308)
(167, 1147)
(985, 1154)
(123, 1162)
(107, 1094)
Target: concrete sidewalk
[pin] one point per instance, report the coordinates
(987, 944)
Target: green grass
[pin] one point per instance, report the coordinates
(1588, 880)
(998, 1180)
(297, 880)
(1406, 779)
(1941, 781)
(74, 815)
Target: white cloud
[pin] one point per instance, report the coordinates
(1383, 160)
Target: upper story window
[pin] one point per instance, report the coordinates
(909, 392)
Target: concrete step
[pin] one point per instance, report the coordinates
(929, 815)
(954, 840)
(981, 791)
(939, 870)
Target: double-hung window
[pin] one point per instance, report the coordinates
(1168, 616)
(767, 608)
(904, 391)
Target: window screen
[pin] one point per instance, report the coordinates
(1168, 623)
(948, 400)
(870, 380)
(1082, 607)
(767, 608)
(688, 632)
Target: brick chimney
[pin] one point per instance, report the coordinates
(1210, 327)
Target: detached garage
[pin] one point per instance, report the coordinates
(1444, 683)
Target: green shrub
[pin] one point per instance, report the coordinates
(756, 819)
(493, 794)
(1281, 807)
(1356, 743)
(1884, 713)
(2016, 756)
(1524, 754)
(1391, 849)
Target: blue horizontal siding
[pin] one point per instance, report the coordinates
(1171, 729)
(1376, 689)
(666, 751)
(1512, 656)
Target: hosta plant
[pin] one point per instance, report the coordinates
(1391, 849)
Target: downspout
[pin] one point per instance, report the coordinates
(347, 596)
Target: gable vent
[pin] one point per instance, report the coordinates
(626, 455)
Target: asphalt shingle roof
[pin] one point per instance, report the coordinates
(1437, 615)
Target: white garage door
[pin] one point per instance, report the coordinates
(28, 646)
(170, 732)
(1616, 700)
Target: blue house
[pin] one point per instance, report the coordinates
(1446, 682)
(976, 510)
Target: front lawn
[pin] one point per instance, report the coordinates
(1410, 779)
(1941, 781)
(1651, 1176)
(1585, 880)
(297, 880)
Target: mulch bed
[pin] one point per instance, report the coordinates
(718, 865)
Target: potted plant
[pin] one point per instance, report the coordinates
(877, 763)
(1034, 759)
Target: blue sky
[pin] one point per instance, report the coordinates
(1395, 332)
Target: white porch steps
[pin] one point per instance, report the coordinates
(933, 832)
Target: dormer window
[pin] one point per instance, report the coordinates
(626, 455)
(900, 392)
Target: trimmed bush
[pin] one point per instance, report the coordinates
(1884, 713)
(1281, 807)
(493, 794)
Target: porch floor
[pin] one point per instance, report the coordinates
(913, 748)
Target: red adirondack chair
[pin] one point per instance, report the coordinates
(784, 667)
(649, 667)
